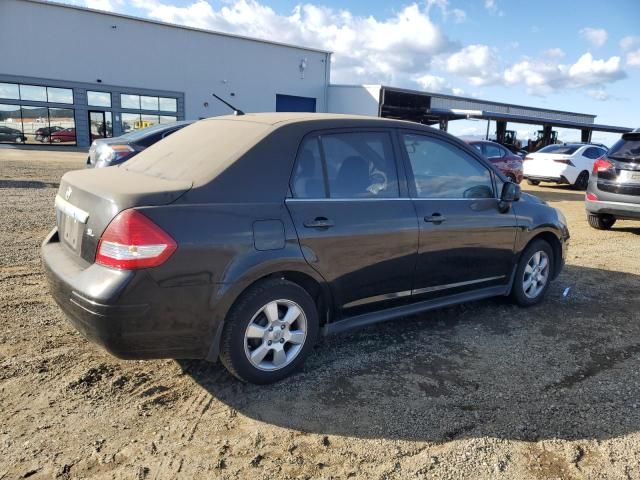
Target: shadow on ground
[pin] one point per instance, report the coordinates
(27, 184)
(557, 193)
(568, 368)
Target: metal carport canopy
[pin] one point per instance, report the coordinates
(455, 113)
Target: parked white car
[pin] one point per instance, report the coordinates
(569, 163)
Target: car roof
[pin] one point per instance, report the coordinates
(282, 118)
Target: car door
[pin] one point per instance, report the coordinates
(465, 242)
(356, 225)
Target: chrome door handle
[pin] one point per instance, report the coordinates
(435, 218)
(319, 222)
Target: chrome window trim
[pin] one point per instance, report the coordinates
(320, 199)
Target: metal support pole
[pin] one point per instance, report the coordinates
(487, 135)
(501, 130)
(586, 135)
(546, 135)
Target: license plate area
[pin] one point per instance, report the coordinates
(71, 221)
(629, 176)
(70, 232)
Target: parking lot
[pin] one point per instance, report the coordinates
(481, 390)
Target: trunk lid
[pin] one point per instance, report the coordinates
(88, 200)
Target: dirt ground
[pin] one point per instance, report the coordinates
(482, 390)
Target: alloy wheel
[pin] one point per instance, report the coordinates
(536, 274)
(275, 335)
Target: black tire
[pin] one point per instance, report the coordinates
(601, 222)
(533, 182)
(232, 348)
(582, 182)
(518, 294)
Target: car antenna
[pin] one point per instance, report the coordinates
(236, 111)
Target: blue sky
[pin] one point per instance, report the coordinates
(581, 56)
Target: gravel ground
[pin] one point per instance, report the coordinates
(481, 390)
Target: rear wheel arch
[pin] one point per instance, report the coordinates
(310, 281)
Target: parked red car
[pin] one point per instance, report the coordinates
(507, 162)
(68, 135)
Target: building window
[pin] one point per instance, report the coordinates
(168, 104)
(168, 119)
(10, 91)
(99, 99)
(33, 93)
(149, 103)
(34, 125)
(143, 102)
(130, 101)
(59, 95)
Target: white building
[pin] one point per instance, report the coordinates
(101, 73)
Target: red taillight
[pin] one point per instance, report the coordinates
(132, 241)
(602, 165)
(527, 158)
(592, 197)
(566, 161)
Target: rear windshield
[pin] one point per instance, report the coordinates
(199, 152)
(627, 148)
(560, 149)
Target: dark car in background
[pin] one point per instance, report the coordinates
(11, 135)
(614, 187)
(42, 134)
(506, 161)
(106, 152)
(245, 237)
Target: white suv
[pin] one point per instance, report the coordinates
(566, 163)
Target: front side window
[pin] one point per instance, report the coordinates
(360, 165)
(442, 170)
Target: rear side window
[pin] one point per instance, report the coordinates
(593, 153)
(492, 151)
(308, 178)
(442, 170)
(346, 165)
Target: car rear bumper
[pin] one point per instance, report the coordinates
(543, 178)
(128, 313)
(618, 209)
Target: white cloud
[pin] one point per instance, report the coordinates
(543, 77)
(478, 63)
(554, 53)
(365, 48)
(595, 36)
(458, 15)
(633, 58)
(492, 7)
(433, 83)
(631, 45)
(599, 94)
(629, 42)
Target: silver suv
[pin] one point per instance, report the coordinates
(614, 187)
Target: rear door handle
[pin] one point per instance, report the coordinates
(435, 218)
(319, 222)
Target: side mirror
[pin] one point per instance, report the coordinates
(510, 193)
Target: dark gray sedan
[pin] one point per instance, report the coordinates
(244, 238)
